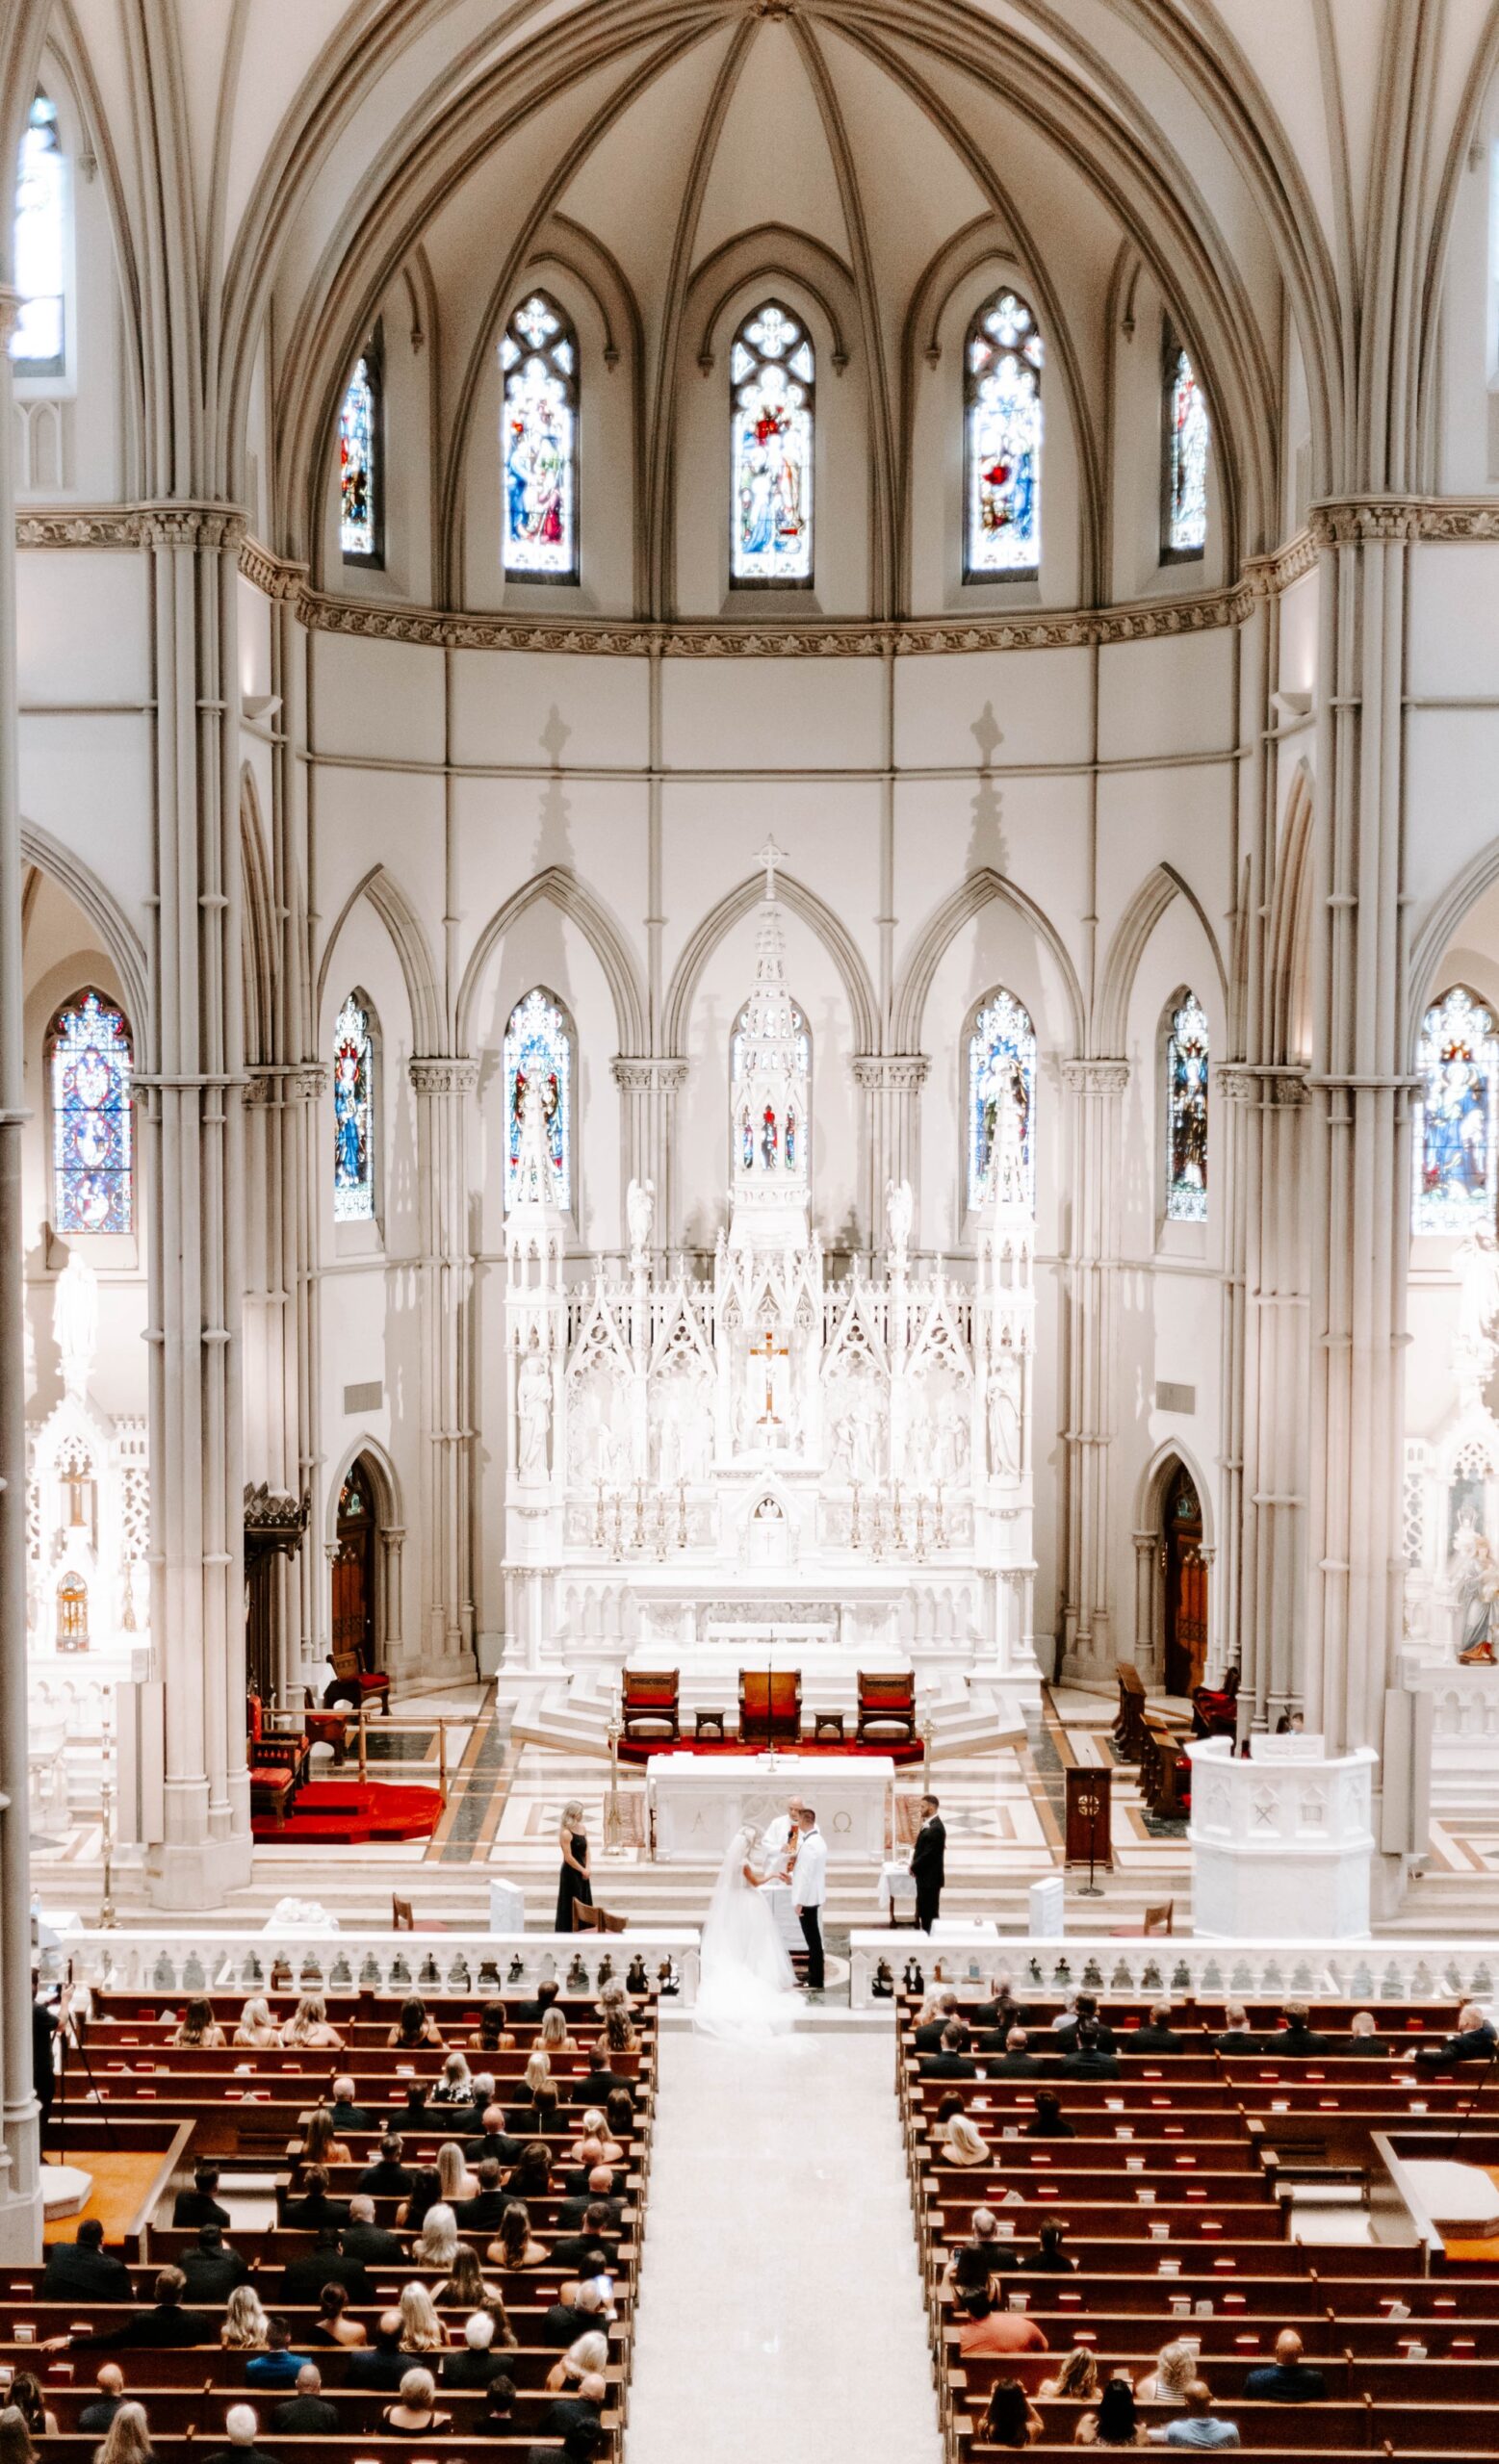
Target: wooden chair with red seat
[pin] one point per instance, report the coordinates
(277, 1760)
(650, 1708)
(887, 1708)
(355, 1684)
(770, 1705)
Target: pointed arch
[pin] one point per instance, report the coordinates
(412, 948)
(721, 920)
(122, 944)
(1139, 921)
(1171, 1456)
(968, 900)
(572, 897)
(1443, 917)
(386, 1483)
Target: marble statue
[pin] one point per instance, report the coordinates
(75, 1322)
(639, 1214)
(899, 1211)
(533, 1404)
(1004, 1417)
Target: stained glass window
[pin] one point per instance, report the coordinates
(1002, 1064)
(538, 1044)
(539, 359)
(360, 477)
(1002, 393)
(1186, 1113)
(1188, 435)
(353, 1115)
(89, 1057)
(1457, 1062)
(39, 340)
(772, 403)
(755, 1130)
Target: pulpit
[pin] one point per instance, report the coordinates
(770, 1705)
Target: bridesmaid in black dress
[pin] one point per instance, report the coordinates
(573, 1884)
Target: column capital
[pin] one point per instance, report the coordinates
(1278, 1086)
(641, 1073)
(169, 524)
(9, 313)
(437, 1075)
(1106, 1075)
(902, 1073)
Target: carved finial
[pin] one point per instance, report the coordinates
(770, 856)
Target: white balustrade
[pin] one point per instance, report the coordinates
(432, 1965)
(1163, 1965)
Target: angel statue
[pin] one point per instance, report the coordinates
(900, 1209)
(639, 1213)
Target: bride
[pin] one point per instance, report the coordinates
(746, 1989)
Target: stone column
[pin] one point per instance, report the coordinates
(445, 1091)
(1358, 1147)
(193, 1179)
(1147, 1631)
(650, 1085)
(1098, 1089)
(304, 1086)
(890, 1083)
(20, 2196)
(393, 1539)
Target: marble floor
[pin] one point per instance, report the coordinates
(781, 2311)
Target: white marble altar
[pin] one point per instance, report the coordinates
(1281, 1843)
(698, 1800)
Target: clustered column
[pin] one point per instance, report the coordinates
(1098, 1089)
(444, 1091)
(650, 1085)
(891, 1082)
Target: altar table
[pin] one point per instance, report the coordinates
(700, 1799)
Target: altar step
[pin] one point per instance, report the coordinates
(571, 1716)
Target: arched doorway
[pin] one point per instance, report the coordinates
(357, 1536)
(1185, 1588)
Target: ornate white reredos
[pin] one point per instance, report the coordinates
(766, 1457)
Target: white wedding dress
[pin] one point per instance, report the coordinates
(746, 1985)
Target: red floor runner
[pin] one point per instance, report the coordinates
(342, 1811)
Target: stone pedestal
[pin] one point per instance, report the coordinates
(1281, 1844)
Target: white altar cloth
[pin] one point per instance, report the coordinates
(700, 1799)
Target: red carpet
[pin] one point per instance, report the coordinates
(640, 1749)
(341, 1811)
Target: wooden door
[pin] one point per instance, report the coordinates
(1186, 1588)
(354, 1575)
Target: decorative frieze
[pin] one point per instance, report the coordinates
(1280, 1086)
(647, 1073)
(440, 1076)
(1096, 1077)
(898, 1072)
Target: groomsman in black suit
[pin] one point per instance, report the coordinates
(927, 1866)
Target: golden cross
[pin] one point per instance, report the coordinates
(769, 1350)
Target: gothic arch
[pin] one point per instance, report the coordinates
(1173, 1454)
(408, 934)
(570, 897)
(125, 950)
(966, 902)
(387, 1483)
(1127, 949)
(1443, 917)
(864, 1010)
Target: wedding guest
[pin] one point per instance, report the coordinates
(933, 2017)
(984, 2326)
(1077, 2374)
(316, 2207)
(463, 2288)
(111, 2384)
(481, 2359)
(493, 2140)
(532, 2177)
(964, 2143)
(321, 2145)
(497, 2419)
(574, 1888)
(586, 2356)
(482, 2212)
(387, 2177)
(1237, 2037)
(595, 2146)
(599, 2190)
(1290, 2380)
(1298, 2037)
(256, 2027)
(333, 2325)
(1198, 2426)
(414, 2414)
(619, 2106)
(241, 2427)
(514, 2245)
(565, 2412)
(1474, 2042)
(554, 2036)
(1157, 2035)
(128, 2438)
(577, 2308)
(1176, 2367)
(366, 2240)
(16, 2447)
(581, 2445)
(1010, 2418)
(244, 2322)
(620, 2034)
(309, 2025)
(1091, 2057)
(425, 2193)
(307, 2413)
(382, 2365)
(598, 2083)
(414, 2027)
(1048, 2120)
(456, 2087)
(951, 2062)
(1083, 2013)
(214, 2268)
(199, 2027)
(1116, 2421)
(279, 2365)
(421, 2329)
(347, 2114)
(305, 2277)
(1361, 2037)
(988, 2252)
(537, 2073)
(199, 2205)
(453, 2177)
(1017, 2061)
(27, 2398)
(83, 2269)
(1048, 2258)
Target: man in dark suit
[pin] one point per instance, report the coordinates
(83, 2269)
(244, 2429)
(594, 2181)
(928, 1867)
(387, 2177)
(578, 2307)
(598, 2082)
(307, 2413)
(1090, 2057)
(1084, 2014)
(1289, 2380)
(303, 2278)
(111, 2384)
(929, 2036)
(381, 2367)
(495, 2141)
(315, 2207)
(482, 2212)
(1298, 2037)
(580, 2444)
(366, 2240)
(565, 2412)
(1016, 2059)
(590, 2250)
(598, 2191)
(214, 2268)
(952, 2061)
(1237, 2036)
(1157, 2036)
(164, 2325)
(1474, 2042)
(199, 2205)
(346, 2114)
(477, 2365)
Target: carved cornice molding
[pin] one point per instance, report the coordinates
(640, 1073)
(903, 1071)
(1352, 522)
(1280, 1086)
(1097, 1077)
(443, 1077)
(96, 525)
(282, 1082)
(277, 576)
(170, 525)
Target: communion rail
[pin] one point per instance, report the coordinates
(321, 1960)
(1170, 1965)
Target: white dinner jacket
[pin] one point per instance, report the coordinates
(809, 1875)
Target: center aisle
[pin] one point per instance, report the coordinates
(781, 2311)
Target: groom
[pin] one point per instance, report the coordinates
(808, 1883)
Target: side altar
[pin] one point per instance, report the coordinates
(766, 1467)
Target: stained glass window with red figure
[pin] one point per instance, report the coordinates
(89, 1049)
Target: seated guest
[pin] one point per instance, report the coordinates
(199, 2205)
(111, 2384)
(421, 2329)
(577, 2308)
(27, 2397)
(1474, 2042)
(995, 2249)
(589, 2252)
(531, 2177)
(1091, 2057)
(1016, 2058)
(1084, 2014)
(585, 2358)
(279, 2365)
(565, 2412)
(438, 2239)
(971, 2268)
(963, 2142)
(199, 2027)
(1361, 2037)
(244, 2322)
(553, 2036)
(1116, 2421)
(1077, 2374)
(344, 2113)
(598, 2189)
(414, 2414)
(364, 2240)
(1048, 2258)
(128, 2438)
(619, 2033)
(315, 2207)
(414, 2028)
(167, 2323)
(242, 2430)
(303, 2278)
(333, 2325)
(309, 2025)
(214, 2268)
(599, 2082)
(381, 2366)
(537, 2073)
(480, 2362)
(1288, 2379)
(1176, 2367)
(986, 2326)
(456, 2087)
(952, 2061)
(1197, 2424)
(619, 2111)
(387, 2177)
(307, 2413)
(494, 2139)
(497, 2419)
(1157, 2036)
(16, 2447)
(494, 2031)
(453, 2178)
(257, 2027)
(482, 2212)
(1298, 2037)
(1009, 2418)
(1048, 2120)
(514, 2245)
(1237, 2037)
(424, 2194)
(933, 2017)
(581, 2445)
(463, 2288)
(83, 2269)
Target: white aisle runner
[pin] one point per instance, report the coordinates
(780, 2318)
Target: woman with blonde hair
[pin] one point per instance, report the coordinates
(421, 2329)
(594, 2145)
(322, 2145)
(257, 2027)
(619, 2034)
(309, 2025)
(437, 2242)
(414, 2414)
(456, 2087)
(584, 2357)
(1176, 2367)
(464, 2287)
(554, 2036)
(964, 2143)
(574, 1888)
(537, 2073)
(16, 2447)
(1077, 2374)
(199, 2027)
(454, 2181)
(244, 2322)
(127, 2439)
(513, 2246)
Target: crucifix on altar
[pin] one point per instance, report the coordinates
(769, 1351)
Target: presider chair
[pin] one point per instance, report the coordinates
(887, 1708)
(770, 1705)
